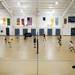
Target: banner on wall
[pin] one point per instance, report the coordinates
(52, 22)
(65, 20)
(22, 22)
(29, 20)
(44, 18)
(4, 21)
(8, 21)
(56, 20)
(18, 21)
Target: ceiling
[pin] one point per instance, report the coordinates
(35, 6)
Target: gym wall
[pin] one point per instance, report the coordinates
(37, 23)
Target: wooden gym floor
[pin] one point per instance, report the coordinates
(19, 57)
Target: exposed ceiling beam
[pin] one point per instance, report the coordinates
(6, 7)
(68, 7)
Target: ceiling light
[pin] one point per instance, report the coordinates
(18, 3)
(56, 3)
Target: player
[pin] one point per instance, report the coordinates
(71, 46)
(44, 36)
(59, 40)
(34, 40)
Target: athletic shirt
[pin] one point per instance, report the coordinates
(71, 44)
(34, 40)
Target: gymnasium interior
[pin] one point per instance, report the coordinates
(37, 37)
